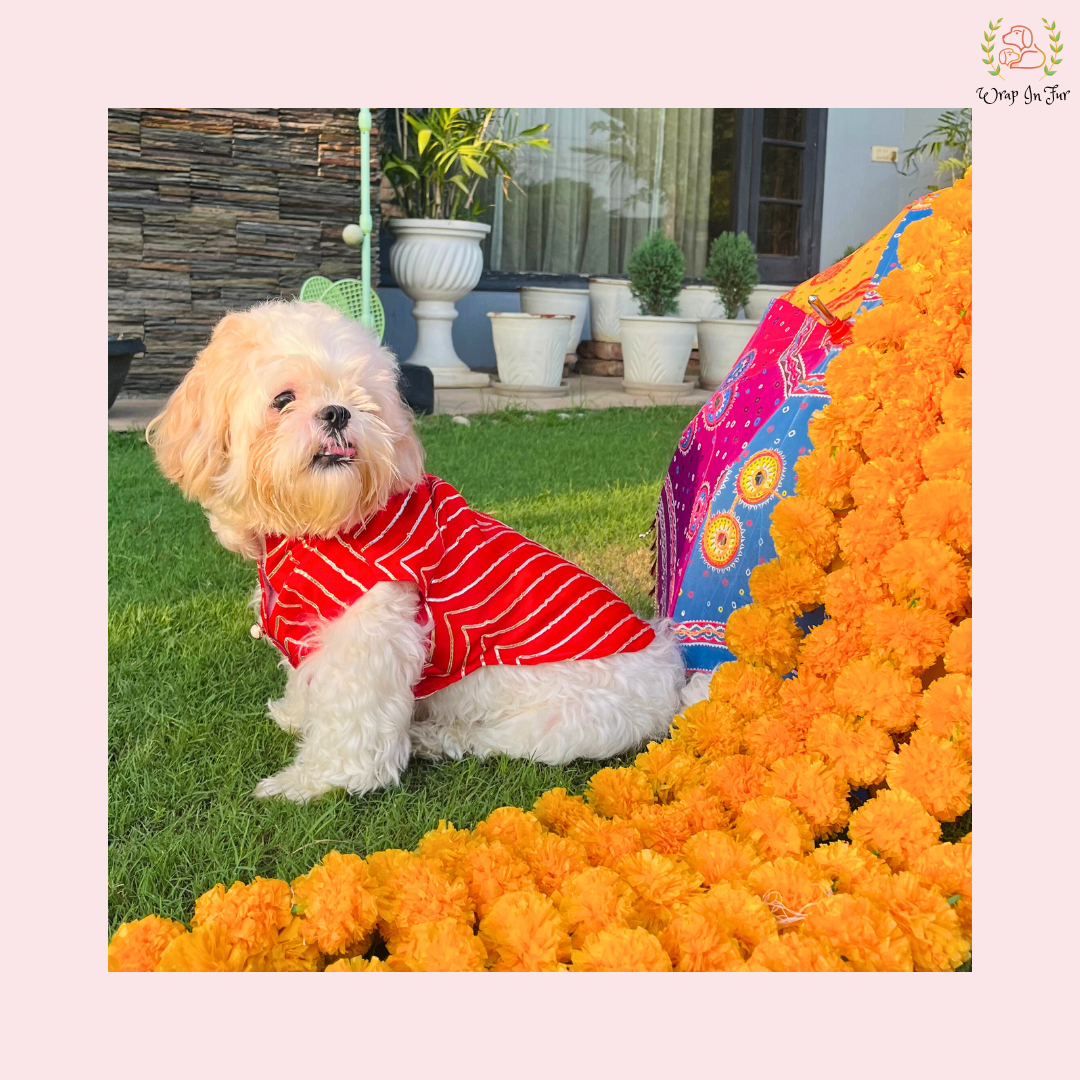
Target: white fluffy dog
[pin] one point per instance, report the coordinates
(290, 426)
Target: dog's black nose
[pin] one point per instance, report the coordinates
(337, 416)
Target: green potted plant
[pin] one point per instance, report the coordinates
(436, 169)
(656, 343)
(732, 269)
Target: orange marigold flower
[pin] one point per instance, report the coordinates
(790, 887)
(802, 528)
(606, 842)
(926, 573)
(803, 699)
(948, 867)
(703, 809)
(878, 691)
(849, 592)
(736, 780)
(793, 952)
(886, 484)
(420, 892)
(717, 856)
(947, 456)
(956, 405)
(252, 914)
(336, 900)
(814, 788)
(768, 738)
(851, 374)
(695, 942)
(670, 768)
(941, 510)
(774, 827)
(824, 475)
(137, 946)
(358, 963)
(929, 923)
(289, 952)
(829, 648)
(958, 649)
(446, 846)
(928, 242)
(738, 912)
(491, 870)
(790, 586)
(935, 771)
(523, 932)
(864, 935)
(620, 792)
(659, 883)
(884, 328)
(911, 638)
(559, 812)
(894, 826)
(207, 948)
(553, 860)
(905, 286)
(867, 533)
(953, 205)
(846, 868)
(663, 828)
(760, 636)
(593, 900)
(856, 749)
(381, 864)
(708, 729)
(621, 949)
(945, 710)
(511, 826)
(900, 433)
(749, 689)
(842, 422)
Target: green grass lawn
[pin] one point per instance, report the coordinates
(188, 686)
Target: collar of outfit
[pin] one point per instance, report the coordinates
(492, 595)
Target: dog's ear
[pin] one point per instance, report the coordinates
(190, 436)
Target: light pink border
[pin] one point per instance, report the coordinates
(1010, 1011)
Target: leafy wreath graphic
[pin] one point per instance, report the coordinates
(1055, 47)
(988, 48)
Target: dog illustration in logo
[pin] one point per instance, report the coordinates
(1024, 54)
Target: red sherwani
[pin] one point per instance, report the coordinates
(493, 596)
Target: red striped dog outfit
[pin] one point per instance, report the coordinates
(493, 596)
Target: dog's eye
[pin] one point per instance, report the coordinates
(282, 400)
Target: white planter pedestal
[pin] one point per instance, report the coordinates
(436, 263)
(720, 341)
(656, 350)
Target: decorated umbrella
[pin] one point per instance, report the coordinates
(736, 459)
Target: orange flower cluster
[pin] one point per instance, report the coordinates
(720, 849)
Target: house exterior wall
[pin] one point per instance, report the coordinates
(215, 209)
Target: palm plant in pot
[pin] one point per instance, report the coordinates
(436, 169)
(732, 269)
(656, 344)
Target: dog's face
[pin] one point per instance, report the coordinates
(1019, 36)
(290, 422)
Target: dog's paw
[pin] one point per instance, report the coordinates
(294, 784)
(285, 718)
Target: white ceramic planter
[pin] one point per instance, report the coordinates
(609, 301)
(699, 302)
(720, 341)
(656, 351)
(541, 300)
(529, 349)
(436, 263)
(761, 297)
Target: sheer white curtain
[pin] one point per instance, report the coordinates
(611, 176)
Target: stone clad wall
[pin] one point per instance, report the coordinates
(216, 209)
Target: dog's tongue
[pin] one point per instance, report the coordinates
(335, 450)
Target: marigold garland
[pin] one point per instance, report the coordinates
(714, 851)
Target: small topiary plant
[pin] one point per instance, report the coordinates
(733, 270)
(656, 274)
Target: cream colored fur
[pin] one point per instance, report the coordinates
(252, 467)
